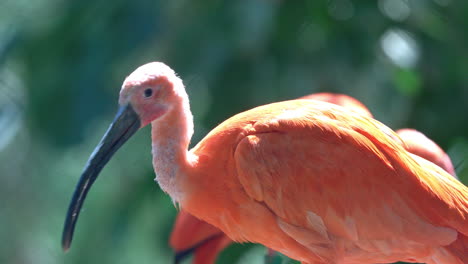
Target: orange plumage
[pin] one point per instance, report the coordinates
(345, 193)
(206, 241)
(189, 232)
(307, 178)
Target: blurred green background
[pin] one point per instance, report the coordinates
(62, 64)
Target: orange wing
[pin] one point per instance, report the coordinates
(342, 187)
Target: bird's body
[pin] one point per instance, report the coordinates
(320, 185)
(192, 234)
(306, 178)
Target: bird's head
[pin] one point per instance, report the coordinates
(150, 91)
(147, 95)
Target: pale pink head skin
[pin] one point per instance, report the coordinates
(151, 90)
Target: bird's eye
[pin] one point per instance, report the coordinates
(148, 92)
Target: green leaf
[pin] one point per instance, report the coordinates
(407, 82)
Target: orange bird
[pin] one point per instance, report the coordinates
(309, 179)
(191, 234)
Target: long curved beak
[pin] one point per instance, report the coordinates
(125, 124)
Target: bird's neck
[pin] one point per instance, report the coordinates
(171, 136)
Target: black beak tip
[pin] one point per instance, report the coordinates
(66, 243)
(181, 255)
(65, 248)
(66, 240)
(178, 258)
(125, 124)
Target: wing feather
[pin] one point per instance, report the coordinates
(349, 174)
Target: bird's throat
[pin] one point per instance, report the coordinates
(171, 136)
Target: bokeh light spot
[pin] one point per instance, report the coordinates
(400, 47)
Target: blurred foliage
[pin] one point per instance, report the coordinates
(62, 63)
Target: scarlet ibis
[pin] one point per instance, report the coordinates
(309, 179)
(192, 235)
